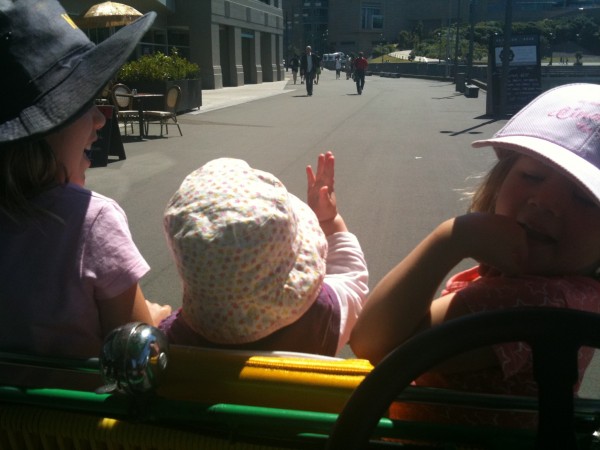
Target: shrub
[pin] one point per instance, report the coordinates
(158, 67)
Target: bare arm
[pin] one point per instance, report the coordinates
(401, 303)
(401, 300)
(129, 306)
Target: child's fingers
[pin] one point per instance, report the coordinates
(310, 176)
(320, 165)
(329, 170)
(158, 312)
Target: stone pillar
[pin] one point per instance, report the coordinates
(279, 57)
(258, 38)
(268, 53)
(205, 49)
(236, 68)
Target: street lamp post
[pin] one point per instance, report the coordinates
(578, 52)
(457, 39)
(506, 58)
(381, 46)
(439, 47)
(471, 39)
(448, 39)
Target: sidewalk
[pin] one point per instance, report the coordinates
(213, 99)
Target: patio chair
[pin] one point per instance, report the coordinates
(169, 114)
(105, 95)
(121, 98)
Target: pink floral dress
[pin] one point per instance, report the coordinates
(513, 375)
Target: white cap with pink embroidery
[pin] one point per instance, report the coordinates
(560, 126)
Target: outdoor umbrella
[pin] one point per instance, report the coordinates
(109, 15)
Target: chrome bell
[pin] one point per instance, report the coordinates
(133, 358)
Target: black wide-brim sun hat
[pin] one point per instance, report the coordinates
(51, 71)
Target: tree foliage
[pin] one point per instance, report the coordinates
(581, 32)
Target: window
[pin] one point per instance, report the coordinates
(377, 22)
(160, 37)
(371, 16)
(179, 38)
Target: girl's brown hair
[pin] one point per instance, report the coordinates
(27, 169)
(484, 198)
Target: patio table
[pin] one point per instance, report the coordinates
(139, 99)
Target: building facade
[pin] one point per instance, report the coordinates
(306, 22)
(235, 42)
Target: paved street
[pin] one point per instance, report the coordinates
(404, 160)
(402, 148)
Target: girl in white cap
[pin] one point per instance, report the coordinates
(69, 269)
(534, 229)
(261, 269)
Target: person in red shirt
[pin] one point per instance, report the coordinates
(360, 67)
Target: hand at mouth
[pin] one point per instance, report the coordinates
(538, 236)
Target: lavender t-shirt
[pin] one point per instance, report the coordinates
(55, 270)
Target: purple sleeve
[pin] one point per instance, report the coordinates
(110, 258)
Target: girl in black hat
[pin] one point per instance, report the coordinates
(69, 269)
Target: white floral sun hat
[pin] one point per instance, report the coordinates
(250, 254)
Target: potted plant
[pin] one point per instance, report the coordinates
(157, 72)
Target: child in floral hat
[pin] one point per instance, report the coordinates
(261, 269)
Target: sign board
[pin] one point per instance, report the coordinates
(524, 79)
(109, 139)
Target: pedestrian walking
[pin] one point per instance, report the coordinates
(295, 64)
(308, 65)
(360, 67)
(318, 71)
(338, 67)
(349, 66)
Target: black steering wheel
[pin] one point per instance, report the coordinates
(554, 335)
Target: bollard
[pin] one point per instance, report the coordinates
(460, 82)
